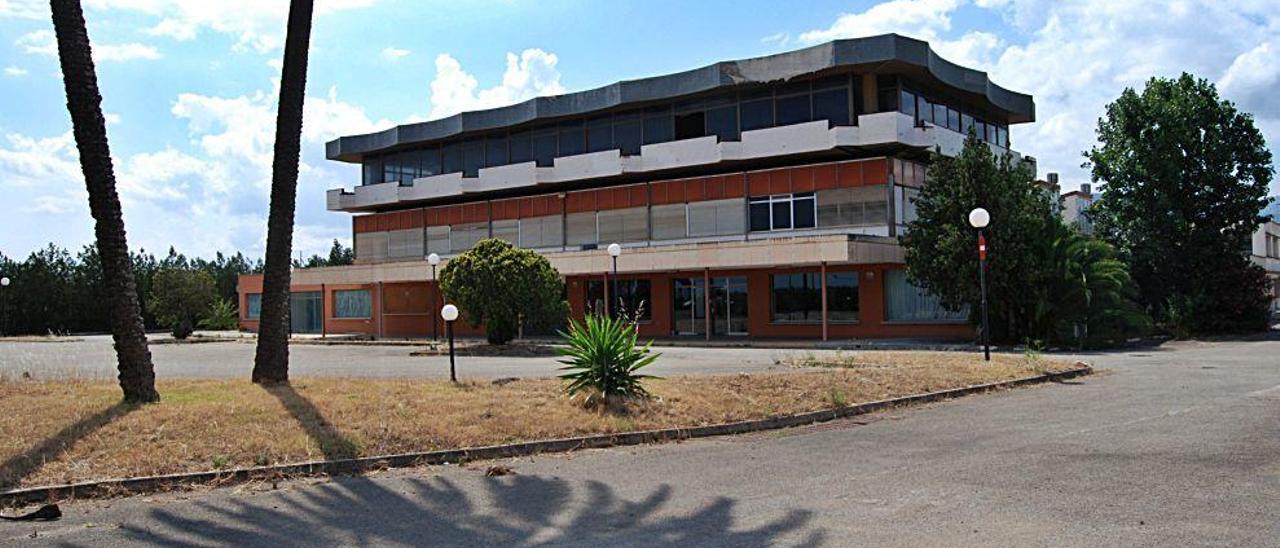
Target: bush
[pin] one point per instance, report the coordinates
(500, 285)
(179, 296)
(222, 316)
(604, 362)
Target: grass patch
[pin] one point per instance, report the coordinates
(74, 430)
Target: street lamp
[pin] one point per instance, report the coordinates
(450, 313)
(614, 251)
(979, 219)
(434, 260)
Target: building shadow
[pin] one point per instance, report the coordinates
(505, 511)
(332, 442)
(16, 468)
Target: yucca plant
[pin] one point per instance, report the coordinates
(603, 361)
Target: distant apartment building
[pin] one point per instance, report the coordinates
(761, 197)
(1075, 206)
(1265, 252)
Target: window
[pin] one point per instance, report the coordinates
(571, 138)
(352, 304)
(623, 225)
(722, 119)
(472, 157)
(404, 243)
(1002, 136)
(495, 151)
(953, 119)
(966, 124)
(756, 113)
(451, 158)
(253, 306)
(544, 146)
(887, 94)
(536, 232)
(783, 211)
(832, 105)
(689, 125)
(940, 115)
(904, 302)
(924, 110)
(716, 218)
(797, 297)
(627, 133)
(507, 231)
(371, 246)
(580, 228)
(372, 172)
(842, 296)
(633, 297)
(670, 222)
(600, 134)
(658, 125)
(438, 240)
(907, 103)
(792, 110)
(856, 206)
(430, 162)
(465, 236)
(521, 147)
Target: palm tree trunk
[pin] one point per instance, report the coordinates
(137, 376)
(271, 364)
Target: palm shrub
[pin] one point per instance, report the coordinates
(603, 361)
(222, 316)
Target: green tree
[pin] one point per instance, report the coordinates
(339, 255)
(941, 247)
(499, 285)
(1184, 177)
(180, 297)
(221, 316)
(271, 358)
(1091, 293)
(80, 81)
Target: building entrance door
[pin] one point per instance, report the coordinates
(728, 306)
(306, 311)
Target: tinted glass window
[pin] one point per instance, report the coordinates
(544, 147)
(372, 172)
(953, 119)
(842, 296)
(658, 126)
(797, 298)
(571, 141)
(600, 134)
(781, 215)
(832, 105)
(495, 151)
(907, 103)
(521, 147)
(756, 114)
(689, 125)
(723, 122)
(940, 114)
(430, 162)
(966, 123)
(760, 214)
(626, 134)
(793, 109)
(472, 157)
(451, 157)
(804, 212)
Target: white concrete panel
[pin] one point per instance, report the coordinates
(777, 141)
(685, 152)
(500, 177)
(436, 186)
(591, 165)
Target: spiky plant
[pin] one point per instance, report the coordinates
(603, 361)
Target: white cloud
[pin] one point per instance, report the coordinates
(1075, 57)
(531, 74)
(43, 42)
(255, 24)
(15, 71)
(394, 54)
(780, 39)
(23, 9)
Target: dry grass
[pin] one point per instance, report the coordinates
(69, 431)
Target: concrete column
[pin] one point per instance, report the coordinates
(706, 300)
(823, 274)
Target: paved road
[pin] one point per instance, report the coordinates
(94, 357)
(1170, 447)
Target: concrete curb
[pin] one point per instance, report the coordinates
(352, 466)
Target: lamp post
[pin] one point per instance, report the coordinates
(450, 313)
(434, 260)
(4, 320)
(614, 251)
(979, 219)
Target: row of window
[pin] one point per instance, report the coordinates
(725, 116)
(348, 304)
(832, 208)
(924, 109)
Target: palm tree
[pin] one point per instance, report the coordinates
(137, 376)
(271, 364)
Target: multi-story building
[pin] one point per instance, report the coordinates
(1265, 252)
(762, 197)
(1075, 207)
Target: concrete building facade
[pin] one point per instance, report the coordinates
(753, 198)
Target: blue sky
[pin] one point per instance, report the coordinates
(189, 87)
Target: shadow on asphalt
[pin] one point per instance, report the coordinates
(333, 443)
(511, 510)
(18, 467)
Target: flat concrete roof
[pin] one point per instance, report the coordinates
(887, 48)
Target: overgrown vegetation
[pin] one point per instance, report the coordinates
(1185, 178)
(222, 316)
(502, 286)
(179, 298)
(603, 361)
